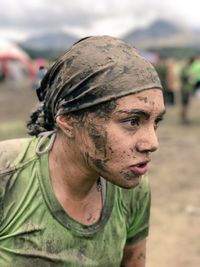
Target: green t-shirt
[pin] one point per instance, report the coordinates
(35, 230)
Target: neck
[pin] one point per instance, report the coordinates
(70, 177)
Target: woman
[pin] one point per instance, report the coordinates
(76, 194)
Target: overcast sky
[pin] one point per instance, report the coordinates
(19, 18)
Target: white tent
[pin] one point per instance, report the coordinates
(10, 52)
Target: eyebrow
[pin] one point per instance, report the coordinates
(139, 112)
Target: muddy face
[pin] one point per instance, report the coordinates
(118, 146)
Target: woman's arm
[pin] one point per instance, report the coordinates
(134, 255)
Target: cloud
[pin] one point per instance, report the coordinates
(85, 17)
(55, 14)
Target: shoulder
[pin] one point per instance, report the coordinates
(16, 156)
(135, 205)
(139, 192)
(133, 201)
(12, 152)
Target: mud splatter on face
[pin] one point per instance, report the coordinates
(127, 175)
(146, 100)
(99, 138)
(92, 120)
(99, 163)
(112, 145)
(141, 257)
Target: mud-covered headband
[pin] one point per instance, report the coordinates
(95, 70)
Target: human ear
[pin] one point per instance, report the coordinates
(66, 125)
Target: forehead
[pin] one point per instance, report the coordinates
(146, 99)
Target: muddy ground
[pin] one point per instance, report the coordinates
(174, 239)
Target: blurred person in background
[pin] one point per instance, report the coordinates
(194, 72)
(77, 192)
(161, 69)
(39, 76)
(4, 69)
(187, 89)
(2, 72)
(172, 80)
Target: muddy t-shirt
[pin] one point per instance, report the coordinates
(35, 230)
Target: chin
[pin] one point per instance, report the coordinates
(127, 184)
(130, 185)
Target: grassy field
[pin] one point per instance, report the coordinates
(16, 104)
(12, 129)
(174, 175)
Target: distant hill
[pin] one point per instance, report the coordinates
(162, 33)
(59, 41)
(158, 29)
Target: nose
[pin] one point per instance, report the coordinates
(147, 141)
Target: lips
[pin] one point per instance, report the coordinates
(140, 168)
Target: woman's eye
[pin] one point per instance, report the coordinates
(157, 122)
(133, 122)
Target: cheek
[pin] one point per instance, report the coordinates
(112, 157)
(99, 140)
(106, 150)
(93, 145)
(120, 149)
